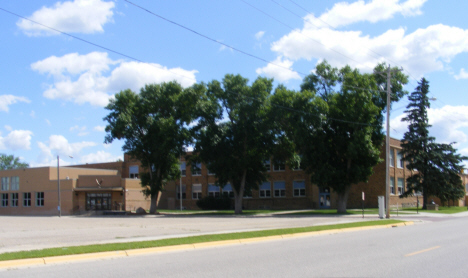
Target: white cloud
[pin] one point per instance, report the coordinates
(81, 78)
(6, 100)
(423, 51)
(9, 128)
(16, 140)
(344, 13)
(99, 128)
(447, 124)
(100, 156)
(47, 122)
(79, 16)
(462, 75)
(32, 114)
(259, 35)
(59, 145)
(80, 130)
(278, 69)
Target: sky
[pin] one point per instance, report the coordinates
(56, 81)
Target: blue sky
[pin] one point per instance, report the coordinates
(55, 87)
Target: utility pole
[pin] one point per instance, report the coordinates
(387, 151)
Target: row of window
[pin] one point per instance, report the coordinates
(10, 183)
(400, 161)
(264, 191)
(12, 199)
(196, 167)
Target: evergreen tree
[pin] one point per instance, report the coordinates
(436, 166)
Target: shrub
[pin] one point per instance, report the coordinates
(214, 203)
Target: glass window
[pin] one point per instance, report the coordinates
(4, 200)
(400, 161)
(26, 199)
(183, 169)
(392, 157)
(279, 188)
(5, 183)
(210, 173)
(213, 190)
(267, 164)
(299, 188)
(39, 199)
(133, 172)
(265, 190)
(279, 166)
(227, 191)
(392, 185)
(196, 191)
(196, 169)
(401, 186)
(14, 199)
(183, 192)
(14, 183)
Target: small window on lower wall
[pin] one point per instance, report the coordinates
(299, 188)
(14, 199)
(279, 188)
(4, 201)
(26, 199)
(39, 199)
(196, 191)
(265, 190)
(401, 185)
(213, 190)
(227, 191)
(183, 192)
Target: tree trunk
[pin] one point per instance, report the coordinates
(154, 203)
(343, 200)
(424, 199)
(238, 196)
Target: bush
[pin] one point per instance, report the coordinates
(214, 203)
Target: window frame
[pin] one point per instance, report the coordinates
(183, 168)
(392, 185)
(194, 166)
(14, 201)
(400, 161)
(279, 167)
(184, 192)
(230, 193)
(281, 191)
(266, 192)
(213, 193)
(26, 199)
(14, 186)
(5, 183)
(4, 200)
(392, 157)
(132, 174)
(40, 199)
(196, 195)
(267, 164)
(402, 185)
(301, 191)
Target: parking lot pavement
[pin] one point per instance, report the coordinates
(37, 232)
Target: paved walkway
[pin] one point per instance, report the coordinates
(34, 232)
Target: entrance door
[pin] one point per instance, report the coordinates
(324, 197)
(98, 201)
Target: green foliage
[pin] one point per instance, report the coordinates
(8, 162)
(436, 166)
(235, 148)
(153, 125)
(335, 124)
(222, 202)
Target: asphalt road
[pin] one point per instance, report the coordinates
(431, 249)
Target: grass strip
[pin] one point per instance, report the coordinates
(217, 212)
(73, 250)
(444, 210)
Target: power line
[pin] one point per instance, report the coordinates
(94, 44)
(211, 39)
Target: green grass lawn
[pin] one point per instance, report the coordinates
(446, 210)
(216, 212)
(72, 250)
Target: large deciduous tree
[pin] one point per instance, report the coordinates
(8, 162)
(154, 127)
(237, 136)
(436, 166)
(335, 123)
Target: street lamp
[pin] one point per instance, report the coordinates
(58, 185)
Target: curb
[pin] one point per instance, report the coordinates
(152, 250)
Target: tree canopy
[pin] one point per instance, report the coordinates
(236, 138)
(8, 162)
(154, 127)
(436, 166)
